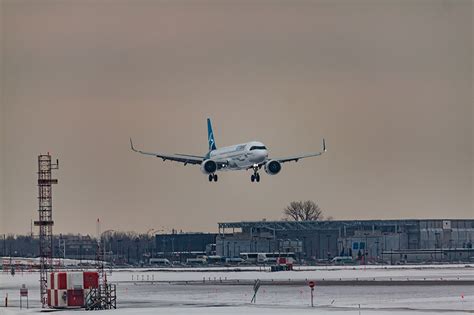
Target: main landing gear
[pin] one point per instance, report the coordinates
(213, 177)
(255, 176)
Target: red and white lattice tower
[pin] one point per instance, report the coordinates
(100, 257)
(45, 222)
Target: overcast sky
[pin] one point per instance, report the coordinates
(387, 83)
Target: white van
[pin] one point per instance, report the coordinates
(196, 261)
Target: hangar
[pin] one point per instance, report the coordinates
(390, 241)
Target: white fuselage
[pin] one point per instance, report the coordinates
(240, 156)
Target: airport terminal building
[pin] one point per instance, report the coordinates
(391, 241)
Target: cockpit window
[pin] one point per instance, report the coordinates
(258, 148)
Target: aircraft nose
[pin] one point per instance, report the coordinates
(260, 155)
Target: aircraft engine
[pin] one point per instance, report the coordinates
(208, 167)
(272, 167)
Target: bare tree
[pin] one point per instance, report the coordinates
(303, 211)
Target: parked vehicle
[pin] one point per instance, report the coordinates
(342, 260)
(267, 258)
(196, 261)
(215, 260)
(234, 260)
(160, 262)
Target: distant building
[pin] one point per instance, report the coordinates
(366, 240)
(178, 244)
(75, 246)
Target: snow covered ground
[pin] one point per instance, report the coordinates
(147, 297)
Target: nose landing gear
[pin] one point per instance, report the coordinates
(213, 177)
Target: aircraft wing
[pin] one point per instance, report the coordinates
(185, 159)
(193, 156)
(303, 156)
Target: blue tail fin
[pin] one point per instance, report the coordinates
(210, 136)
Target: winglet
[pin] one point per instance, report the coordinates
(324, 145)
(131, 146)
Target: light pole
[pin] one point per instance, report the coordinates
(137, 244)
(162, 229)
(119, 250)
(4, 245)
(163, 246)
(366, 250)
(399, 243)
(437, 243)
(102, 238)
(150, 239)
(328, 252)
(305, 254)
(377, 252)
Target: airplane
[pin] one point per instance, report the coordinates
(251, 155)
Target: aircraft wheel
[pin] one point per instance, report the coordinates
(215, 177)
(252, 178)
(257, 177)
(211, 177)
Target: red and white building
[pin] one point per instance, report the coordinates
(69, 289)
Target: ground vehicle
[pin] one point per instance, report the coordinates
(273, 257)
(196, 261)
(342, 260)
(234, 260)
(251, 258)
(267, 258)
(215, 260)
(160, 262)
